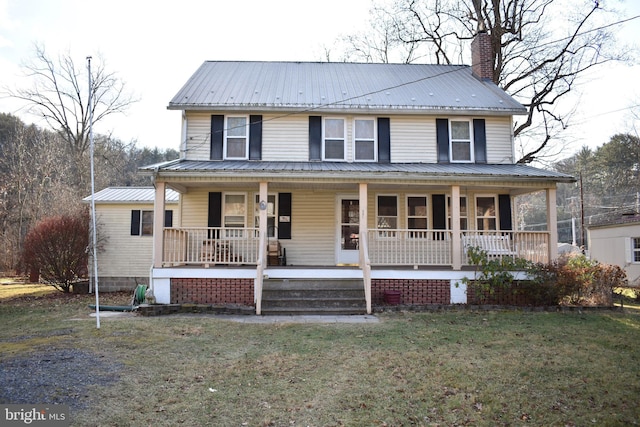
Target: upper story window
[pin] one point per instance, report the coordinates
(364, 140)
(236, 141)
(333, 141)
(486, 213)
(461, 137)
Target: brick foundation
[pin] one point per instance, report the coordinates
(412, 291)
(212, 291)
(500, 296)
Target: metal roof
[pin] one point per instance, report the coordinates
(131, 195)
(439, 171)
(341, 86)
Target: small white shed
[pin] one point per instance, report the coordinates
(125, 234)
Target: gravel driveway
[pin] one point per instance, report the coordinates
(55, 376)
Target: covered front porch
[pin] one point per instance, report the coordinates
(339, 230)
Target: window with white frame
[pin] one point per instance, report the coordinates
(234, 214)
(461, 137)
(417, 215)
(236, 137)
(334, 139)
(387, 215)
(635, 249)
(486, 213)
(271, 214)
(463, 213)
(364, 137)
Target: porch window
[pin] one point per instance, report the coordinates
(334, 139)
(364, 131)
(417, 215)
(387, 215)
(461, 149)
(271, 214)
(234, 214)
(236, 137)
(486, 216)
(463, 213)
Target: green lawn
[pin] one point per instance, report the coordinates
(417, 369)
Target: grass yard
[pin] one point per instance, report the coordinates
(417, 369)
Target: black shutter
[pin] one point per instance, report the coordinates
(438, 203)
(442, 139)
(384, 140)
(284, 213)
(215, 211)
(217, 135)
(480, 140)
(504, 206)
(168, 218)
(315, 138)
(255, 137)
(135, 222)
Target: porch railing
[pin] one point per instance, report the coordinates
(396, 247)
(211, 245)
(409, 247)
(386, 247)
(529, 245)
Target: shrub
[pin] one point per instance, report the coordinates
(573, 280)
(57, 248)
(582, 281)
(494, 282)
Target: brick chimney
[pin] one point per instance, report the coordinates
(482, 56)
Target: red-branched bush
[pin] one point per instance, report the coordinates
(57, 248)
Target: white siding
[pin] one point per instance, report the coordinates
(413, 139)
(499, 144)
(198, 137)
(194, 208)
(285, 138)
(313, 228)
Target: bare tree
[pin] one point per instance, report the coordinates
(541, 50)
(59, 94)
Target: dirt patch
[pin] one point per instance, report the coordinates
(55, 376)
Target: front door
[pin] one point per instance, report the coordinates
(348, 231)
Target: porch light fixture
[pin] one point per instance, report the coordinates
(263, 205)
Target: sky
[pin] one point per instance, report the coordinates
(155, 47)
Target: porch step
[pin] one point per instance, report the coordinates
(315, 296)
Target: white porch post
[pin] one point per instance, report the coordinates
(365, 265)
(262, 252)
(456, 239)
(158, 224)
(552, 223)
(262, 220)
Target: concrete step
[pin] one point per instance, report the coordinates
(315, 296)
(289, 311)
